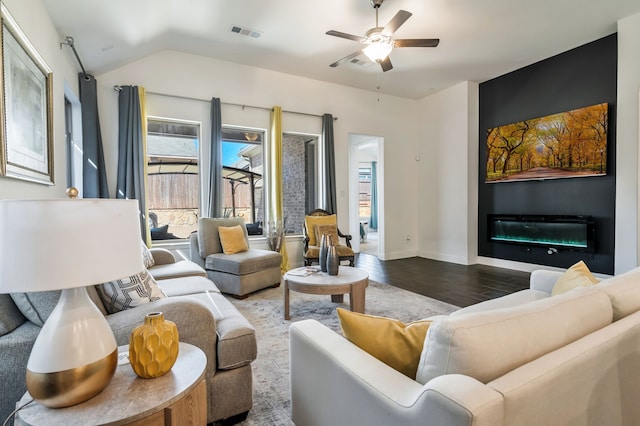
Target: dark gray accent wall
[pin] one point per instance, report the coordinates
(584, 76)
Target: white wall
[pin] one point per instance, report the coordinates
(448, 170)
(627, 160)
(358, 111)
(34, 21)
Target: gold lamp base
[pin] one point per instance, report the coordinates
(70, 387)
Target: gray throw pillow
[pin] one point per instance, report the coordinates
(10, 316)
(36, 306)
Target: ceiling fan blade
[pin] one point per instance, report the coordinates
(396, 22)
(345, 35)
(346, 58)
(386, 64)
(416, 42)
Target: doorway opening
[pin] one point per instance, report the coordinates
(366, 203)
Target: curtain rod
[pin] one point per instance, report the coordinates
(188, 98)
(68, 41)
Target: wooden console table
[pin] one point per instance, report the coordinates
(177, 398)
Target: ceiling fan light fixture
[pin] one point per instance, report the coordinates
(378, 51)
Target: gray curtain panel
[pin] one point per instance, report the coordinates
(131, 158)
(329, 165)
(94, 176)
(214, 195)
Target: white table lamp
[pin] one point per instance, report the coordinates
(65, 244)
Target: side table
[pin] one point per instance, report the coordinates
(177, 398)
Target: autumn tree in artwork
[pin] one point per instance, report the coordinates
(560, 145)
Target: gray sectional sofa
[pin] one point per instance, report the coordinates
(203, 316)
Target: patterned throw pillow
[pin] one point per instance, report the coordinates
(147, 257)
(330, 230)
(129, 292)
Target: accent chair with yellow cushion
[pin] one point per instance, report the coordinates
(221, 247)
(320, 222)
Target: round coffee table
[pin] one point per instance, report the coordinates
(349, 280)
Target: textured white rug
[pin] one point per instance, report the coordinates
(264, 310)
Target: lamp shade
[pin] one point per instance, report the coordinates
(56, 244)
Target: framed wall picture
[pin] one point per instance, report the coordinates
(26, 132)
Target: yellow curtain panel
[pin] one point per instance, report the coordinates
(276, 183)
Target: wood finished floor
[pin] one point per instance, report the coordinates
(459, 285)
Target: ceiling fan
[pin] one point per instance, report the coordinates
(378, 41)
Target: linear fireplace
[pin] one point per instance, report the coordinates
(575, 233)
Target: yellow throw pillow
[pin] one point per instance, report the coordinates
(311, 221)
(232, 239)
(577, 275)
(330, 230)
(396, 344)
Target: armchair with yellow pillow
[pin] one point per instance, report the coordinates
(221, 247)
(537, 356)
(320, 222)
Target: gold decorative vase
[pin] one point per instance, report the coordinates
(153, 346)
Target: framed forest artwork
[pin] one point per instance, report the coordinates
(564, 145)
(26, 132)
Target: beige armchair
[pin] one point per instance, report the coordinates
(320, 222)
(237, 274)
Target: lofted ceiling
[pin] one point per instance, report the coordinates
(479, 40)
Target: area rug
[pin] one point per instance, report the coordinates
(264, 310)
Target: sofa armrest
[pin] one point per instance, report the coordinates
(543, 280)
(335, 382)
(195, 322)
(162, 256)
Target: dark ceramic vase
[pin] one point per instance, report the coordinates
(323, 253)
(333, 260)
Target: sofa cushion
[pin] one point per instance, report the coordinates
(236, 336)
(514, 299)
(485, 345)
(391, 341)
(10, 316)
(129, 292)
(311, 221)
(247, 262)
(314, 251)
(187, 285)
(181, 268)
(624, 292)
(578, 275)
(232, 239)
(208, 238)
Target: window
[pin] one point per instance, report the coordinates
(173, 191)
(73, 139)
(242, 171)
(364, 191)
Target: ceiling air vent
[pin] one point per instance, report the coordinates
(246, 32)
